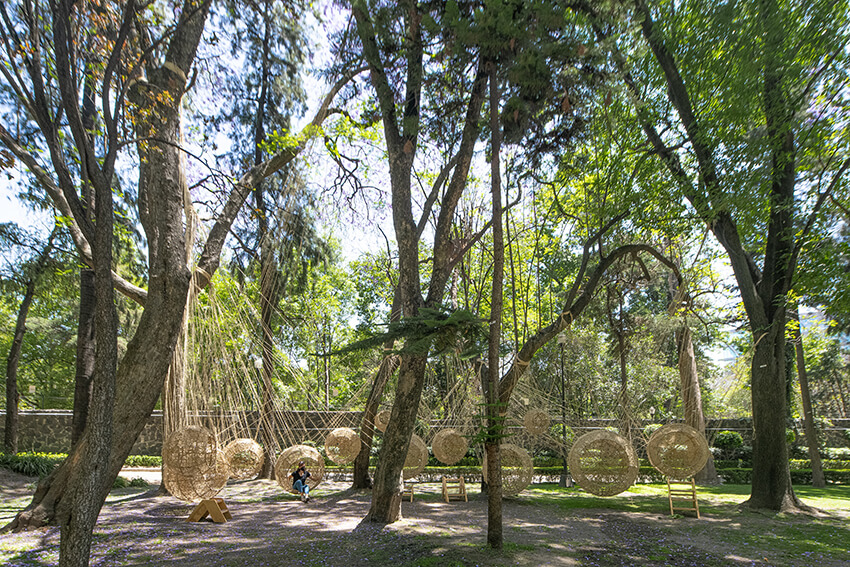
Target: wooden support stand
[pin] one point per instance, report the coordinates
(215, 508)
(407, 490)
(682, 496)
(454, 488)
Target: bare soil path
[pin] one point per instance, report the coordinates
(270, 528)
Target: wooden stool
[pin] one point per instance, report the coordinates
(684, 494)
(454, 488)
(407, 490)
(215, 508)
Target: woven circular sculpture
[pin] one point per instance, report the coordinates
(342, 445)
(382, 419)
(603, 463)
(288, 461)
(417, 458)
(192, 466)
(677, 450)
(536, 422)
(517, 468)
(244, 457)
(449, 446)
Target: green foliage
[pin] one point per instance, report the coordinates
(31, 464)
(728, 440)
(433, 331)
(143, 461)
(651, 428)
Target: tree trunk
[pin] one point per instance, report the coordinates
(386, 496)
(13, 396)
(10, 440)
(494, 412)
(85, 356)
(818, 480)
(692, 398)
(268, 277)
(367, 425)
(771, 486)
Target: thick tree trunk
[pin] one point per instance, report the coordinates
(818, 480)
(692, 398)
(386, 496)
(85, 356)
(10, 436)
(771, 487)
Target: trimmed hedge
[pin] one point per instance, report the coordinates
(143, 461)
(798, 476)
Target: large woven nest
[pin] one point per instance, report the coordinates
(382, 419)
(244, 457)
(288, 460)
(193, 468)
(517, 468)
(417, 457)
(677, 450)
(536, 422)
(342, 445)
(449, 446)
(603, 463)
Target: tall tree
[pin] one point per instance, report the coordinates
(32, 273)
(160, 69)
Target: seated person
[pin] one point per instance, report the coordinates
(299, 481)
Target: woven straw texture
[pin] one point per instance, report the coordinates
(342, 445)
(288, 460)
(677, 450)
(603, 463)
(193, 468)
(517, 468)
(244, 457)
(382, 419)
(449, 446)
(536, 422)
(417, 458)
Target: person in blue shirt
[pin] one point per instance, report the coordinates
(299, 481)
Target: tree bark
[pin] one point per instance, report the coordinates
(362, 480)
(85, 356)
(818, 480)
(13, 397)
(494, 412)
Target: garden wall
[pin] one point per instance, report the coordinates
(49, 431)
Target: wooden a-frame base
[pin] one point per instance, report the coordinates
(215, 508)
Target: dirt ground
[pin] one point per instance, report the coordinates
(270, 528)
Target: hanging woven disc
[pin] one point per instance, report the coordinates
(449, 446)
(536, 422)
(603, 463)
(193, 468)
(288, 461)
(517, 468)
(382, 419)
(342, 445)
(417, 457)
(244, 457)
(677, 450)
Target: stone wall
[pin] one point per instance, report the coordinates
(49, 431)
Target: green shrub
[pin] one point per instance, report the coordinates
(790, 435)
(143, 461)
(728, 440)
(31, 464)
